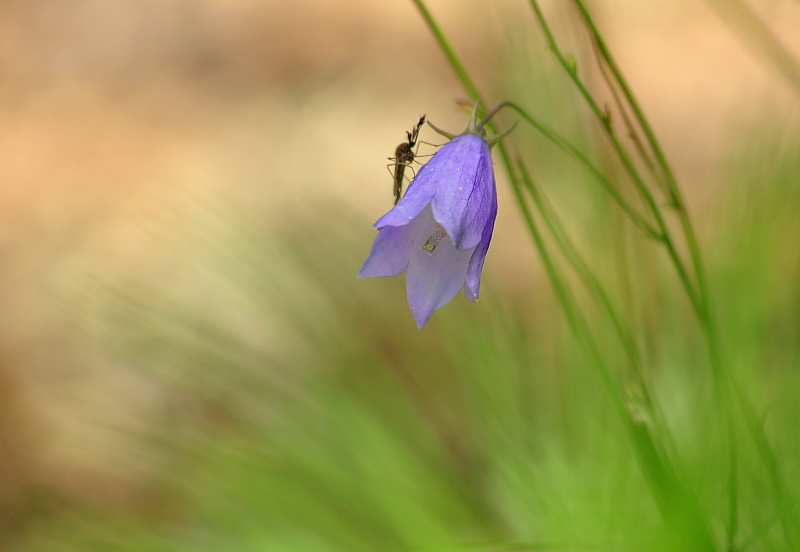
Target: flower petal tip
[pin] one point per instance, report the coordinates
(421, 318)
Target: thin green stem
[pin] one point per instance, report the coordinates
(575, 318)
(627, 163)
(629, 97)
(632, 133)
(702, 298)
(699, 298)
(586, 275)
(679, 508)
(592, 283)
(706, 311)
(562, 143)
(784, 505)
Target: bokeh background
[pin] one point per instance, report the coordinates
(187, 361)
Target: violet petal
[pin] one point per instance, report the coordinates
(393, 246)
(472, 285)
(417, 197)
(465, 189)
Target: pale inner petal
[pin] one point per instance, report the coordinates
(394, 245)
(434, 278)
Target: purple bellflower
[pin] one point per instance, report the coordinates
(439, 232)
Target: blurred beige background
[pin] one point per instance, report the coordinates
(109, 110)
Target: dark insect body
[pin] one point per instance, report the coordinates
(403, 157)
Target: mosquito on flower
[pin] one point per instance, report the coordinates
(439, 232)
(404, 156)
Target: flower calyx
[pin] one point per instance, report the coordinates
(477, 127)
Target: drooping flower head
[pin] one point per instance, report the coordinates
(440, 230)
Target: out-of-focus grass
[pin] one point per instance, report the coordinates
(289, 406)
(352, 430)
(301, 409)
(757, 271)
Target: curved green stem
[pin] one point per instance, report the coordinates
(722, 377)
(627, 163)
(592, 283)
(562, 143)
(585, 274)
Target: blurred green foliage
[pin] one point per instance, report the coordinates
(303, 411)
(316, 417)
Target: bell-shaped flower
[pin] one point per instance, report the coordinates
(439, 232)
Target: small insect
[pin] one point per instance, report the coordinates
(404, 155)
(434, 239)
